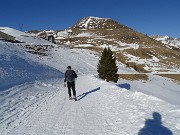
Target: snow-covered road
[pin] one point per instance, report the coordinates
(102, 108)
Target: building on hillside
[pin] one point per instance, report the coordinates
(51, 38)
(47, 36)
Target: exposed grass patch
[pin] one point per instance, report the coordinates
(175, 77)
(6, 37)
(38, 49)
(143, 53)
(133, 77)
(121, 58)
(138, 67)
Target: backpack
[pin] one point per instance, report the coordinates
(70, 76)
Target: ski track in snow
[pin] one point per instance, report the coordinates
(102, 108)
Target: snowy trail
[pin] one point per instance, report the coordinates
(102, 108)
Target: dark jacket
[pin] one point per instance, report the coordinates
(70, 76)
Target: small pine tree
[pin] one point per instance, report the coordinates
(106, 67)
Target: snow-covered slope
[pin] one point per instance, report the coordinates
(16, 67)
(40, 104)
(97, 23)
(24, 37)
(168, 40)
(91, 23)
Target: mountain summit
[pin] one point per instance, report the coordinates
(110, 30)
(97, 23)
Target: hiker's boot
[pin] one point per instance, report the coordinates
(75, 98)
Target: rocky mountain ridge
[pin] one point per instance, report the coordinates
(173, 43)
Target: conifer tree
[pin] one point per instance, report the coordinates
(107, 68)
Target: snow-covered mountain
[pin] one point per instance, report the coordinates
(133, 49)
(33, 99)
(97, 23)
(173, 42)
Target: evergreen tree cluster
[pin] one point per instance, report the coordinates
(106, 67)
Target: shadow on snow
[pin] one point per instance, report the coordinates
(15, 70)
(86, 93)
(154, 126)
(124, 85)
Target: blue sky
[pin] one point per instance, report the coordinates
(146, 16)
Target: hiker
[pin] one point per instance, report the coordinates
(70, 76)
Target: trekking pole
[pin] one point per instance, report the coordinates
(65, 92)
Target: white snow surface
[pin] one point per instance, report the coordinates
(39, 105)
(88, 21)
(24, 37)
(169, 40)
(62, 34)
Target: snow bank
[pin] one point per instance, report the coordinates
(16, 67)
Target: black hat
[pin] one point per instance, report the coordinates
(68, 67)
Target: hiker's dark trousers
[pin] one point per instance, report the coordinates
(71, 85)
